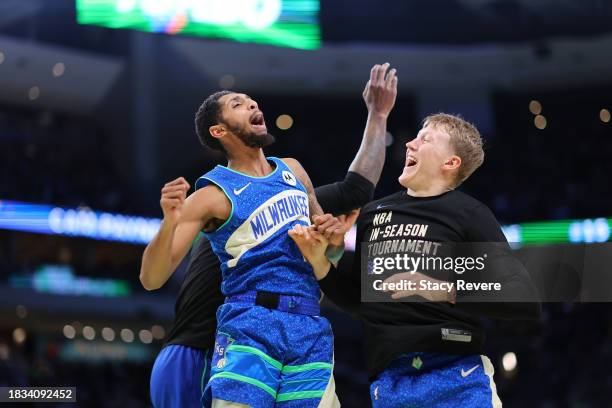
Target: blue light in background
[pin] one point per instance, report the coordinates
(83, 222)
(61, 280)
(79, 222)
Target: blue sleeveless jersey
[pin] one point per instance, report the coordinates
(253, 245)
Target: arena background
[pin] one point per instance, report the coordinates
(94, 119)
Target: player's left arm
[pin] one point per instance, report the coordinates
(300, 173)
(332, 226)
(379, 96)
(518, 297)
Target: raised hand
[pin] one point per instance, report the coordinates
(173, 196)
(381, 90)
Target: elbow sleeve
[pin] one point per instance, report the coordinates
(341, 197)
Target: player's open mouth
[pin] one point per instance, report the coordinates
(411, 161)
(257, 121)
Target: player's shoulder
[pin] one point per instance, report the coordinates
(293, 164)
(215, 175)
(463, 198)
(207, 197)
(290, 161)
(296, 167)
(210, 191)
(468, 204)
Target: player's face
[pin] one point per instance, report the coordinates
(242, 117)
(425, 158)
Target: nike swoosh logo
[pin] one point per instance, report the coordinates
(468, 372)
(379, 206)
(238, 192)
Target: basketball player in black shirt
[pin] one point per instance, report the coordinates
(426, 350)
(181, 369)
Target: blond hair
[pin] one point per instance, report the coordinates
(464, 139)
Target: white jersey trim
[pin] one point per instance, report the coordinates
(245, 238)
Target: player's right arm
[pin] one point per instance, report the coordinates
(183, 219)
(357, 188)
(379, 96)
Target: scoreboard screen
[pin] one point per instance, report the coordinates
(285, 23)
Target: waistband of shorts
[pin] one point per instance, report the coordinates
(278, 301)
(416, 362)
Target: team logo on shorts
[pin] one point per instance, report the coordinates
(222, 342)
(289, 178)
(417, 362)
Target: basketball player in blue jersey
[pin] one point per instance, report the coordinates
(272, 347)
(182, 368)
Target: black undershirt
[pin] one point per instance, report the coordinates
(200, 295)
(393, 328)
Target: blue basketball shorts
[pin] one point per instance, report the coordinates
(178, 377)
(267, 358)
(425, 380)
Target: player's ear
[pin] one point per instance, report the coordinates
(452, 162)
(217, 131)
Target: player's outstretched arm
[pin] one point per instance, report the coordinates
(183, 219)
(379, 96)
(357, 188)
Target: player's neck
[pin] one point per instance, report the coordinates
(429, 190)
(251, 162)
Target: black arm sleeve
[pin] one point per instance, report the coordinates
(353, 192)
(501, 266)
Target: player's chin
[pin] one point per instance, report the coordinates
(406, 177)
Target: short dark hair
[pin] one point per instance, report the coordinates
(209, 114)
